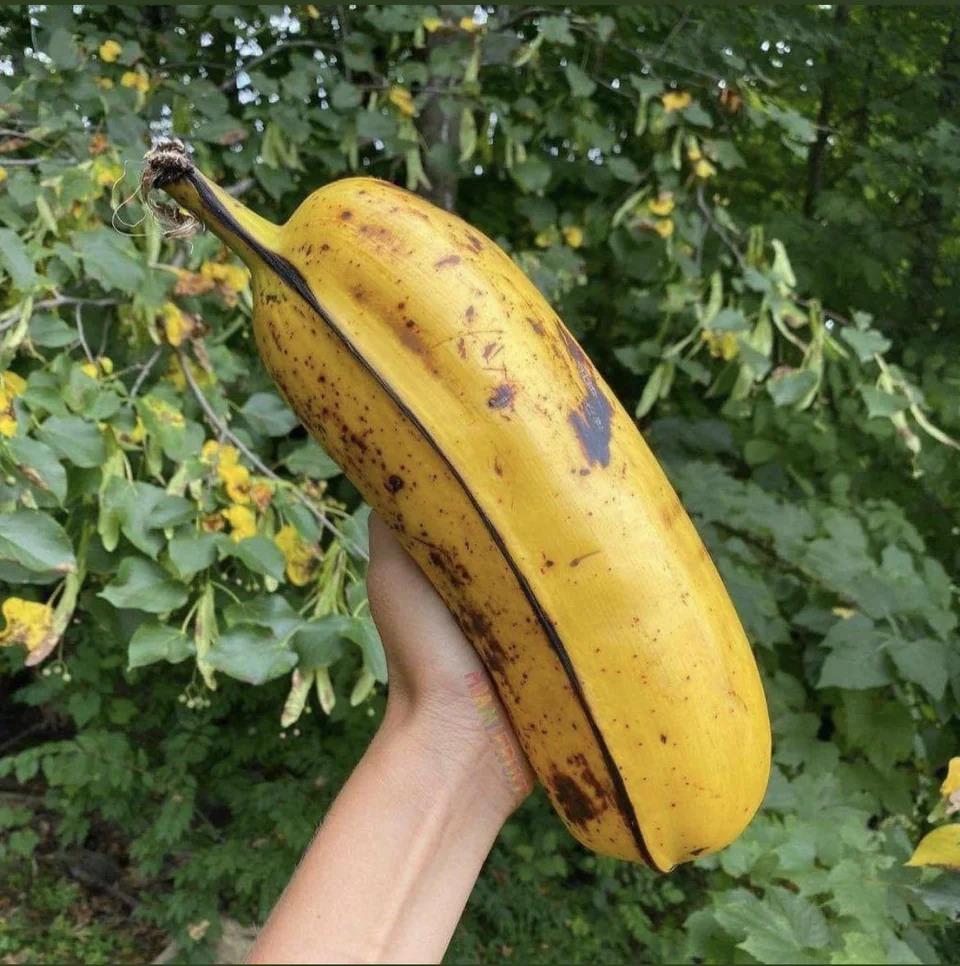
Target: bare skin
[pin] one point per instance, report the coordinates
(390, 870)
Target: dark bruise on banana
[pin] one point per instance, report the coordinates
(431, 370)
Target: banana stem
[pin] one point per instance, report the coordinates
(168, 166)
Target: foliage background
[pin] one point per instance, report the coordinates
(749, 217)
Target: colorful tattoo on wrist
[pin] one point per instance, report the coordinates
(486, 702)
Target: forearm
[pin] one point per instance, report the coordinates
(388, 874)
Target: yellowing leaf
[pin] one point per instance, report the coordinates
(105, 83)
(30, 624)
(432, 24)
(3, 174)
(675, 101)
(662, 205)
(402, 100)
(312, 11)
(573, 236)
(939, 848)
(109, 51)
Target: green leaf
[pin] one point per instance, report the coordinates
(865, 342)
(856, 660)
(110, 258)
(556, 30)
(787, 389)
(695, 114)
(270, 611)
(882, 404)
(580, 83)
(533, 174)
(49, 331)
(363, 632)
(268, 414)
(39, 464)
(154, 642)
(16, 261)
(623, 168)
(35, 541)
(310, 460)
(190, 553)
(345, 96)
(319, 643)
(142, 585)
(260, 555)
(728, 320)
(924, 662)
(74, 439)
(252, 654)
(139, 509)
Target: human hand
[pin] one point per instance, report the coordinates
(437, 681)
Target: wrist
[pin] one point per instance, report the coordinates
(466, 744)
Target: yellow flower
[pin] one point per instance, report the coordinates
(3, 174)
(431, 24)
(469, 25)
(109, 51)
(90, 368)
(105, 83)
(722, 345)
(12, 384)
(663, 227)
(136, 80)
(662, 205)
(675, 101)
(8, 423)
(693, 152)
(704, 169)
(210, 452)
(28, 623)
(299, 555)
(176, 324)
(573, 236)
(402, 100)
(236, 481)
(242, 522)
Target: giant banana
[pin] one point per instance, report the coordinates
(438, 377)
